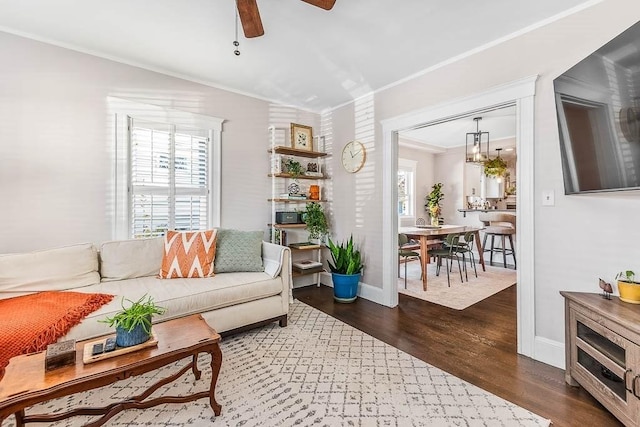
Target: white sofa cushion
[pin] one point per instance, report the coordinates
(56, 269)
(180, 297)
(128, 259)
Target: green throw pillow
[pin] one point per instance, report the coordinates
(238, 251)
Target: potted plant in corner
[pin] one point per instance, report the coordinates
(346, 269)
(433, 200)
(133, 324)
(313, 216)
(628, 288)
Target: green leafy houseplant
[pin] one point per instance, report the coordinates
(293, 168)
(433, 199)
(495, 167)
(345, 258)
(138, 314)
(628, 288)
(627, 276)
(316, 221)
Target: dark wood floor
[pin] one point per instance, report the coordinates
(477, 344)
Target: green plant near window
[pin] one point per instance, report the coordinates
(293, 168)
(139, 313)
(345, 258)
(495, 167)
(316, 221)
(433, 200)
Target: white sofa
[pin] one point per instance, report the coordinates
(128, 268)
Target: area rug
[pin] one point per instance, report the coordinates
(317, 371)
(459, 295)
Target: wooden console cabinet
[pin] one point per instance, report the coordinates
(602, 344)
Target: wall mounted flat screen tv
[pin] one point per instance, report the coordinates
(598, 107)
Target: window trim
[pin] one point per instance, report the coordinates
(122, 109)
(410, 166)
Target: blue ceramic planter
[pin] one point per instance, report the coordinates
(129, 338)
(345, 287)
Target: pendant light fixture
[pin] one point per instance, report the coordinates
(477, 144)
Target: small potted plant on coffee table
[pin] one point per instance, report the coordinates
(133, 324)
(628, 288)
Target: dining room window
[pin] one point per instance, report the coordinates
(406, 187)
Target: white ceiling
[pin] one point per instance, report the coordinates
(308, 57)
(500, 123)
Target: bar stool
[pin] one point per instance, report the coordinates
(503, 226)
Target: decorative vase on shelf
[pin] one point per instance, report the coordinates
(434, 221)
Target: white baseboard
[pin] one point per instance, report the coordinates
(549, 352)
(367, 292)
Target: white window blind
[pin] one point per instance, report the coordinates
(169, 178)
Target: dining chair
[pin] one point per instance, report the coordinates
(448, 252)
(465, 247)
(406, 251)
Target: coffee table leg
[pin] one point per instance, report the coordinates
(216, 363)
(194, 366)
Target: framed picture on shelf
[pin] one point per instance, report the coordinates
(301, 137)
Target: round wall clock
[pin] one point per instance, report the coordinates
(353, 156)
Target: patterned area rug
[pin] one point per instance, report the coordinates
(317, 371)
(459, 295)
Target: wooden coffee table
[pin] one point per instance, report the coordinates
(26, 383)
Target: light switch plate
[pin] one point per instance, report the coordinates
(548, 198)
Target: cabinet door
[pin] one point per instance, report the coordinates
(605, 364)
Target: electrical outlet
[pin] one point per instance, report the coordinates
(548, 198)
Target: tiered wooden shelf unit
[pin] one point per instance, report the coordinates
(602, 345)
(280, 181)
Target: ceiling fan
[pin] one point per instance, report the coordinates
(250, 16)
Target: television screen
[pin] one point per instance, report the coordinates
(598, 107)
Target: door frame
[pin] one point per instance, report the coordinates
(521, 93)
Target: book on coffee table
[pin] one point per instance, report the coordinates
(304, 245)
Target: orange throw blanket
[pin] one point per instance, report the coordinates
(30, 323)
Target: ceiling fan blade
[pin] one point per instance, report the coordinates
(323, 4)
(250, 18)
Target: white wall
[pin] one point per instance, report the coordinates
(56, 150)
(602, 229)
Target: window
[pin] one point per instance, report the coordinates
(169, 178)
(167, 170)
(406, 187)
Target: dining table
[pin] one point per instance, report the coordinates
(424, 233)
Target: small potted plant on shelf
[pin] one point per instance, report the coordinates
(433, 200)
(628, 288)
(313, 216)
(346, 268)
(293, 168)
(133, 324)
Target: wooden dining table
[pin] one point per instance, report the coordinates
(426, 233)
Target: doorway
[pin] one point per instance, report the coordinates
(520, 93)
(442, 154)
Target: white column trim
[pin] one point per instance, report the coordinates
(520, 93)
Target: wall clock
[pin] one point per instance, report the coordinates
(353, 156)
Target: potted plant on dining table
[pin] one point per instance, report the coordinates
(433, 200)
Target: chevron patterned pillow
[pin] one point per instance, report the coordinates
(188, 254)
(238, 251)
